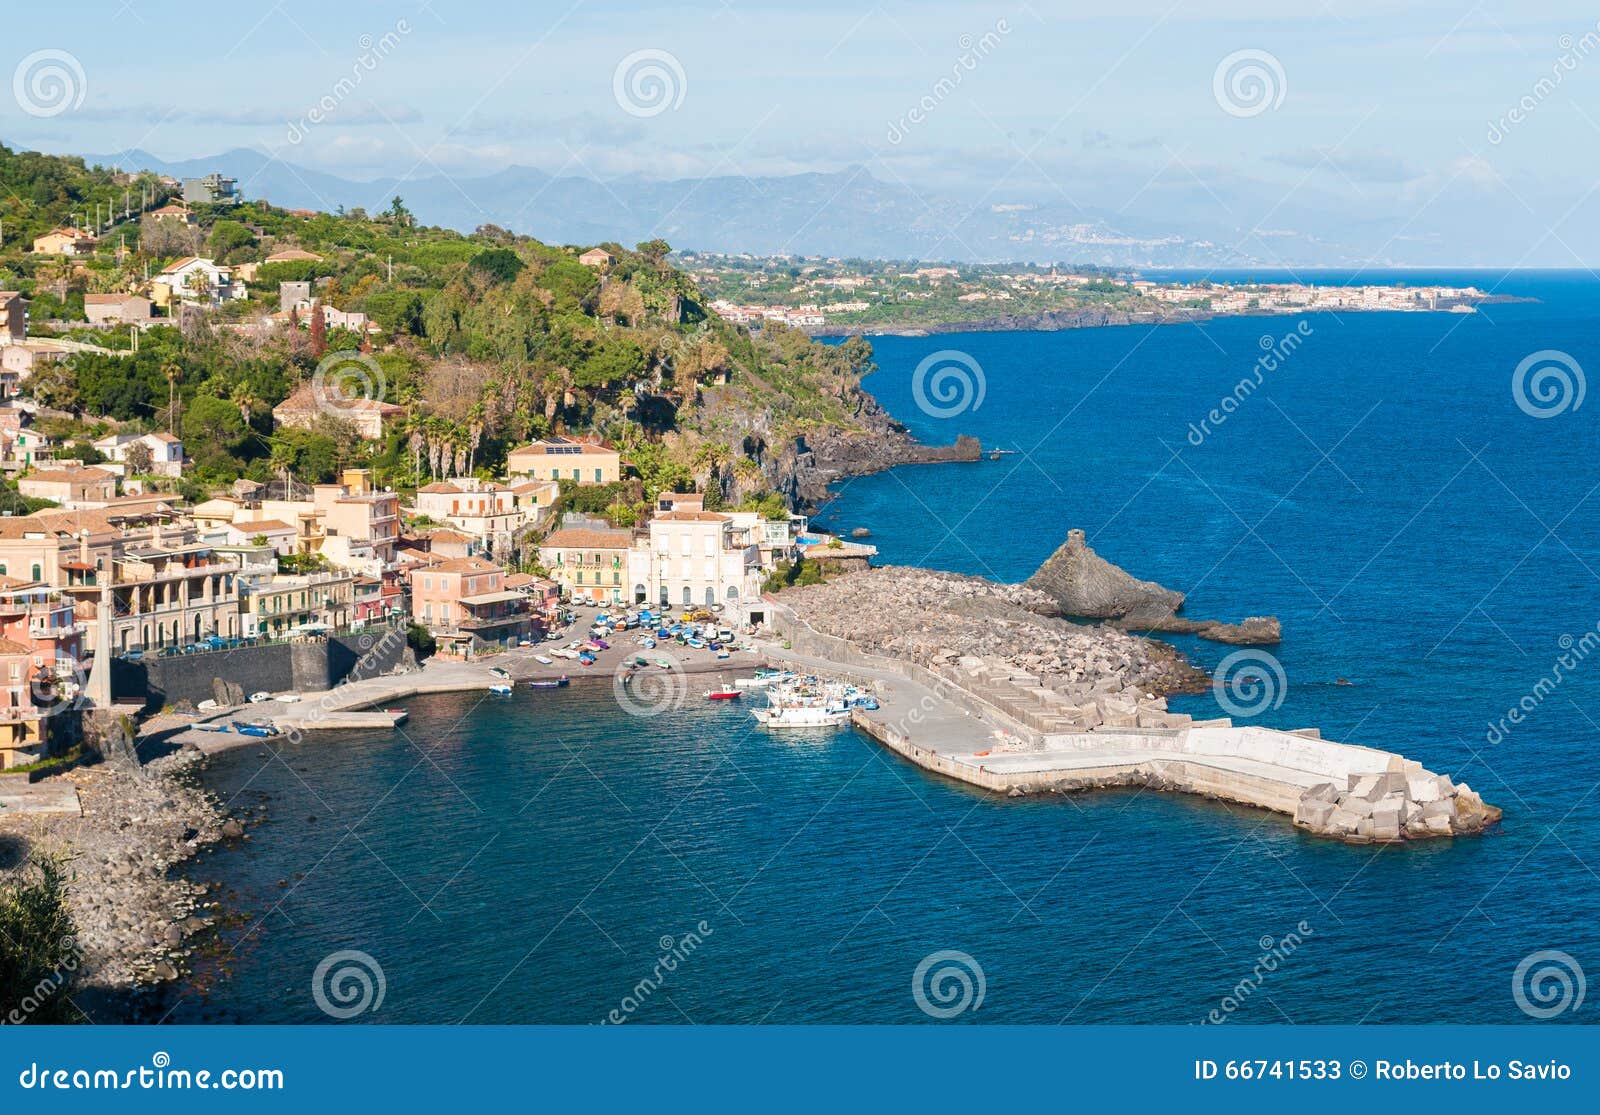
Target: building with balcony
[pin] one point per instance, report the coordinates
(285, 605)
(464, 603)
(592, 564)
(559, 458)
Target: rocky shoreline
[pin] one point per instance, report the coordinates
(134, 914)
(1051, 321)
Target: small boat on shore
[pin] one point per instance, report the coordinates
(544, 660)
(259, 730)
(499, 672)
(550, 683)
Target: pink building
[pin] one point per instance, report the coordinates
(464, 602)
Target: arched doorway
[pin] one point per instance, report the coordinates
(639, 594)
(711, 595)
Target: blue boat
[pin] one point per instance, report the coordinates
(245, 728)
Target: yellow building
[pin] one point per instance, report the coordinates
(559, 458)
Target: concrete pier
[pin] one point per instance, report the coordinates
(1357, 794)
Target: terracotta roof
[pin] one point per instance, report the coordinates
(440, 487)
(561, 447)
(72, 475)
(292, 254)
(8, 646)
(449, 536)
(466, 565)
(581, 538)
(693, 517)
(261, 526)
(106, 299)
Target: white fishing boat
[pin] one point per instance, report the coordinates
(803, 703)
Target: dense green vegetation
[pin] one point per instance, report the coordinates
(487, 340)
(38, 947)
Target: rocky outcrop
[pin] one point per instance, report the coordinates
(1079, 582)
(1394, 805)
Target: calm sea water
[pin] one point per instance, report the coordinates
(1419, 535)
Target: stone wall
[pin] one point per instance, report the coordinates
(305, 667)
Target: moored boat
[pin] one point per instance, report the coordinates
(550, 683)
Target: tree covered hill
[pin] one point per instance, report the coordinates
(487, 339)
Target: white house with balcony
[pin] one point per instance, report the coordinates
(699, 558)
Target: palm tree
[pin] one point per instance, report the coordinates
(174, 373)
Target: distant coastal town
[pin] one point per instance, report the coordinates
(823, 295)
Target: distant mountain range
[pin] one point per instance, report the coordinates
(851, 213)
(848, 213)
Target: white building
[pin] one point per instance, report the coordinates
(699, 558)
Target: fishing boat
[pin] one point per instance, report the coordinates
(664, 663)
(805, 703)
(544, 659)
(549, 683)
(500, 689)
(499, 672)
(262, 731)
(723, 694)
(586, 659)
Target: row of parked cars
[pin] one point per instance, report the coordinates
(204, 646)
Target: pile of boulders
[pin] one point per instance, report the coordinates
(933, 618)
(1392, 806)
(132, 912)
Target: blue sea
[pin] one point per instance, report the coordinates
(1421, 536)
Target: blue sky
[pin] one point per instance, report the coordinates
(1373, 109)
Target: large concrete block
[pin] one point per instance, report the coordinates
(1314, 814)
(1439, 826)
(1325, 791)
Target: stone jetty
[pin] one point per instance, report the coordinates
(974, 686)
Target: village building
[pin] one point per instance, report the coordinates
(465, 604)
(166, 451)
(591, 564)
(559, 458)
(69, 487)
(116, 309)
(699, 558)
(195, 281)
(304, 410)
(65, 242)
(303, 604)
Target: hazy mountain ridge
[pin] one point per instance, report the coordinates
(849, 213)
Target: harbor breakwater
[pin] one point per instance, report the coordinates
(983, 720)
